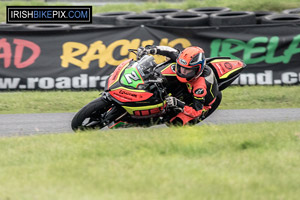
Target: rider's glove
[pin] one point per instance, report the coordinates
(150, 49)
(174, 102)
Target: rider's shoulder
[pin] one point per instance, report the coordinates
(199, 87)
(207, 71)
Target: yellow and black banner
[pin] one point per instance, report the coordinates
(83, 59)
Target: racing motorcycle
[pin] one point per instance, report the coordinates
(135, 93)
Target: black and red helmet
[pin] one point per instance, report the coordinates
(190, 64)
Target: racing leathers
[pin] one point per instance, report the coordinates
(204, 90)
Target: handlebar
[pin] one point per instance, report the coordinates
(133, 51)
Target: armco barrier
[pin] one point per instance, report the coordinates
(83, 58)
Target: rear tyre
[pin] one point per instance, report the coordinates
(162, 12)
(280, 19)
(109, 17)
(139, 19)
(92, 26)
(232, 18)
(184, 19)
(48, 27)
(292, 11)
(11, 27)
(260, 14)
(89, 117)
(209, 10)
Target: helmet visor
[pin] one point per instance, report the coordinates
(187, 73)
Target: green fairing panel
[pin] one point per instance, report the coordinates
(131, 77)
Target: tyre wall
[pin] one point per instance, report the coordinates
(57, 57)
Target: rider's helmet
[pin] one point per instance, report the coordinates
(190, 64)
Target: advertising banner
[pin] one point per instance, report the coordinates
(83, 59)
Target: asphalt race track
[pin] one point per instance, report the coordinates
(28, 124)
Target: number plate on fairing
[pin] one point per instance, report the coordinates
(132, 77)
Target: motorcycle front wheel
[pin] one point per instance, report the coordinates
(92, 115)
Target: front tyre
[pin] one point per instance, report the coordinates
(91, 115)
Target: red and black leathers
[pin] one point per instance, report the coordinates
(204, 90)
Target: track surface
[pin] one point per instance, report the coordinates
(28, 124)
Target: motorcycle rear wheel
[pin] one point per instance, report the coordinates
(92, 113)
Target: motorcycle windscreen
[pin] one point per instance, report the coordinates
(132, 77)
(226, 71)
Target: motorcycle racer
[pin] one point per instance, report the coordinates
(199, 78)
(182, 90)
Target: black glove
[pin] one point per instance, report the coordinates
(174, 102)
(149, 49)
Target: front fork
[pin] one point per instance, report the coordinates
(115, 113)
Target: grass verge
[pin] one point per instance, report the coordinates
(70, 101)
(241, 161)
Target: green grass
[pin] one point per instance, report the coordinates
(228, 162)
(254, 97)
(44, 102)
(272, 5)
(242, 5)
(70, 101)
